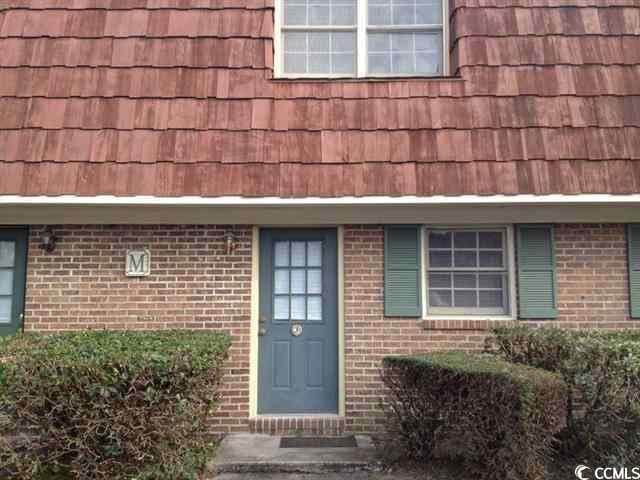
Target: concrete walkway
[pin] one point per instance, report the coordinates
(248, 453)
(325, 476)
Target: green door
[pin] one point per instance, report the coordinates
(13, 266)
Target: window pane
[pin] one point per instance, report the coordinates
(281, 308)
(314, 308)
(282, 281)
(405, 53)
(465, 259)
(440, 298)
(490, 240)
(405, 12)
(320, 52)
(490, 259)
(490, 280)
(438, 259)
(319, 12)
(319, 15)
(7, 254)
(465, 298)
(439, 280)
(440, 240)
(5, 309)
(464, 240)
(298, 281)
(298, 308)
(295, 13)
(314, 281)
(464, 280)
(429, 13)
(282, 254)
(491, 299)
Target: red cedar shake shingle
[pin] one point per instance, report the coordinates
(175, 97)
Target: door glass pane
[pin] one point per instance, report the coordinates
(298, 281)
(282, 281)
(298, 254)
(7, 254)
(281, 308)
(6, 282)
(282, 254)
(314, 308)
(314, 281)
(298, 308)
(5, 309)
(315, 254)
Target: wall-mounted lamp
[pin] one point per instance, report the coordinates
(229, 242)
(48, 240)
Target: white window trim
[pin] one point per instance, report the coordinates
(511, 271)
(361, 41)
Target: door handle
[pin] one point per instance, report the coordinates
(262, 331)
(21, 318)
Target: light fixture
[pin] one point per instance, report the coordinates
(229, 242)
(48, 240)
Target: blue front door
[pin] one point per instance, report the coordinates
(298, 350)
(13, 264)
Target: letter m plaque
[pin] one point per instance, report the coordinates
(138, 263)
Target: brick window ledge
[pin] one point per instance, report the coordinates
(484, 324)
(464, 323)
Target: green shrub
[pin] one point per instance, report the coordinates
(499, 418)
(108, 404)
(602, 369)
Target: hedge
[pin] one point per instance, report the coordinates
(104, 404)
(499, 418)
(602, 369)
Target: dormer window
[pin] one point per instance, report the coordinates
(366, 38)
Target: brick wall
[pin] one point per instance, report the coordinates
(592, 291)
(194, 284)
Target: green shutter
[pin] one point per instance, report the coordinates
(402, 271)
(634, 269)
(536, 272)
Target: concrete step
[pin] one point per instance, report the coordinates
(253, 453)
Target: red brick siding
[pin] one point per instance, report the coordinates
(592, 291)
(193, 285)
(592, 273)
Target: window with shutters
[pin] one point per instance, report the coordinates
(469, 271)
(360, 38)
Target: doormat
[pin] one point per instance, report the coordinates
(318, 442)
